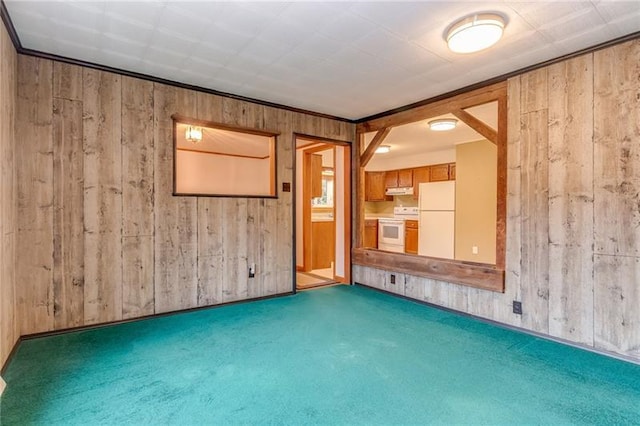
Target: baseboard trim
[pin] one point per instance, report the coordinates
(146, 317)
(609, 354)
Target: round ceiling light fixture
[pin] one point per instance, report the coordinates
(474, 33)
(443, 124)
(383, 149)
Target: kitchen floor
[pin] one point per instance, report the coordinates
(306, 280)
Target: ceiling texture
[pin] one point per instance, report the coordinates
(347, 59)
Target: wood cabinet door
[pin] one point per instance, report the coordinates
(439, 172)
(420, 175)
(374, 186)
(391, 179)
(371, 233)
(452, 171)
(405, 178)
(411, 237)
(316, 175)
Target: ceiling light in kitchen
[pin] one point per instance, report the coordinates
(443, 124)
(474, 33)
(383, 149)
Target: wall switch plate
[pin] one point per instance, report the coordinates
(286, 186)
(392, 278)
(517, 307)
(474, 250)
(252, 270)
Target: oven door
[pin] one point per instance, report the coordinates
(391, 233)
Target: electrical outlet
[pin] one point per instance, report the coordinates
(252, 270)
(474, 250)
(392, 278)
(517, 307)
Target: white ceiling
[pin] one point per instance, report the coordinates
(349, 59)
(415, 139)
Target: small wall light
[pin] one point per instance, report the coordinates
(475, 33)
(443, 124)
(383, 149)
(193, 134)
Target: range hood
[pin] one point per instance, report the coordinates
(400, 191)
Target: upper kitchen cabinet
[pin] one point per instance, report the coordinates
(439, 173)
(375, 187)
(420, 175)
(398, 178)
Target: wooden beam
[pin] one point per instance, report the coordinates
(434, 109)
(476, 275)
(371, 149)
(477, 125)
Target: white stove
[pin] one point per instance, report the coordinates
(391, 230)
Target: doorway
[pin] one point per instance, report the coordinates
(322, 212)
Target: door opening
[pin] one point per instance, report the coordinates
(322, 212)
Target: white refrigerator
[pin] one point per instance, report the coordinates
(436, 229)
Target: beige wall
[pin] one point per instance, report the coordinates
(101, 238)
(476, 177)
(198, 173)
(573, 228)
(8, 87)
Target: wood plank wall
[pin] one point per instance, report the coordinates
(573, 216)
(8, 87)
(100, 237)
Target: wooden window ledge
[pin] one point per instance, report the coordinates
(476, 275)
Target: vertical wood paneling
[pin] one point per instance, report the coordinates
(513, 254)
(617, 149)
(533, 93)
(68, 212)
(67, 81)
(102, 104)
(34, 162)
(616, 118)
(571, 200)
(175, 277)
(8, 99)
(137, 198)
(145, 251)
(535, 221)
(616, 313)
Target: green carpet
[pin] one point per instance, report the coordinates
(340, 355)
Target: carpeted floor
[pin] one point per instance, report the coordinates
(339, 355)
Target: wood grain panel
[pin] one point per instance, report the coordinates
(8, 228)
(513, 251)
(67, 81)
(137, 198)
(34, 162)
(68, 212)
(211, 250)
(617, 149)
(102, 105)
(535, 221)
(137, 276)
(616, 313)
(571, 199)
(533, 91)
(175, 276)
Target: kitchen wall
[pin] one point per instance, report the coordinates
(100, 237)
(573, 223)
(8, 87)
(476, 195)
